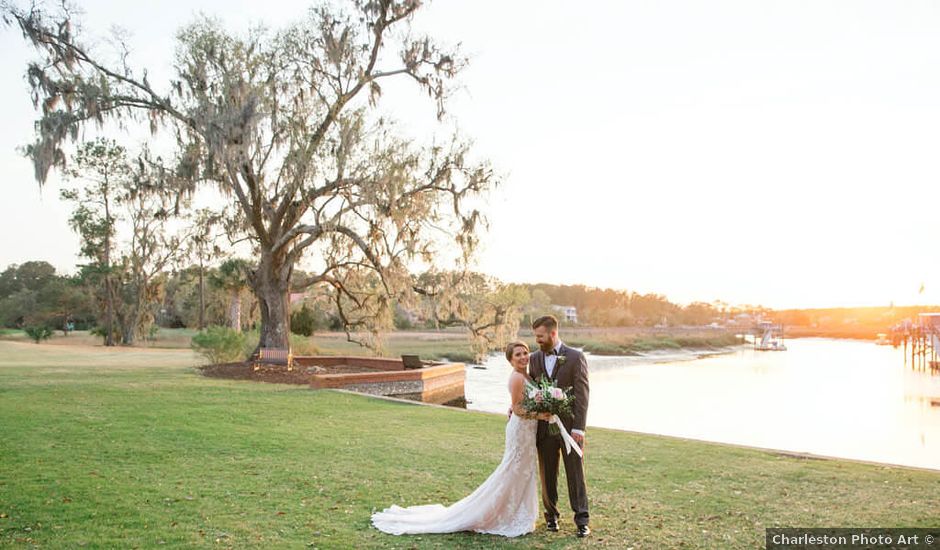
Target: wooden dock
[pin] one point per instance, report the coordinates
(921, 341)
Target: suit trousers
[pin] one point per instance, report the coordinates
(550, 450)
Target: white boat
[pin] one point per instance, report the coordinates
(769, 341)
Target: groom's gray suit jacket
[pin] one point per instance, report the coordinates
(572, 374)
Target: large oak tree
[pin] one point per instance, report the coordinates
(285, 125)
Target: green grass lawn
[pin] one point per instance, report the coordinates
(132, 448)
(170, 338)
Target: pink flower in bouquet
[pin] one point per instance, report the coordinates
(538, 397)
(558, 393)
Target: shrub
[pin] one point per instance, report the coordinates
(38, 333)
(251, 341)
(219, 344)
(102, 332)
(303, 321)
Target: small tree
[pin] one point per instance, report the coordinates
(151, 250)
(233, 277)
(202, 246)
(129, 272)
(102, 166)
(38, 333)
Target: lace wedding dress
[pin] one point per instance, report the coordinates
(506, 504)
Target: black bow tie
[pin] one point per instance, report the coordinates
(551, 352)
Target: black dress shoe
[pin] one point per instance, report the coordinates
(551, 525)
(583, 531)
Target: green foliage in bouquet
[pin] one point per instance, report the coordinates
(544, 396)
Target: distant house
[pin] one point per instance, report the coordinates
(568, 313)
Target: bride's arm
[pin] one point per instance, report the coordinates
(517, 391)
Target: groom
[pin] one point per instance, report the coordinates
(567, 367)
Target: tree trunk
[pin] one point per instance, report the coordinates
(131, 323)
(108, 286)
(128, 334)
(129, 326)
(109, 297)
(235, 310)
(271, 285)
(202, 294)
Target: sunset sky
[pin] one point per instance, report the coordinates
(776, 153)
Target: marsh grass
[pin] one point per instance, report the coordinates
(617, 343)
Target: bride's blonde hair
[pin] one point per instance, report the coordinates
(511, 348)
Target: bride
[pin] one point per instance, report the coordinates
(506, 504)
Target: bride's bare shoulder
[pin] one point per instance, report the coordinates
(517, 378)
(524, 375)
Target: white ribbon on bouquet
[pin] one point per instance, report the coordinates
(570, 443)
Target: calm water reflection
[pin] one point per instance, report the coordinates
(839, 398)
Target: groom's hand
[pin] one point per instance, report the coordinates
(579, 439)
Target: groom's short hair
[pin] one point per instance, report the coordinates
(547, 321)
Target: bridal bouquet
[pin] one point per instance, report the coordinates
(545, 397)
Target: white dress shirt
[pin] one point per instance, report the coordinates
(551, 359)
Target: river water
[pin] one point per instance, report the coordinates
(840, 398)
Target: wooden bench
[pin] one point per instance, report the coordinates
(274, 356)
(411, 362)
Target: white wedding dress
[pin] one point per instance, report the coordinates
(506, 504)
